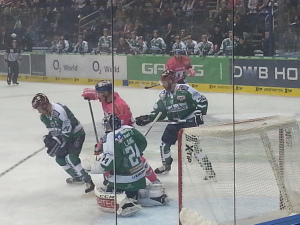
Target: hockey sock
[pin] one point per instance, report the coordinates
(63, 164)
(165, 152)
(151, 176)
(74, 162)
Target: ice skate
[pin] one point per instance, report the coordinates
(164, 169)
(16, 83)
(90, 186)
(74, 180)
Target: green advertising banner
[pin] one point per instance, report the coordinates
(209, 70)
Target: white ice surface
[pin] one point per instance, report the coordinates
(35, 192)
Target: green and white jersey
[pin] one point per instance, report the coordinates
(180, 103)
(124, 149)
(61, 121)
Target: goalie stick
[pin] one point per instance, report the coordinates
(20, 162)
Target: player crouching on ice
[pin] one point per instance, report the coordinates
(65, 138)
(185, 106)
(122, 158)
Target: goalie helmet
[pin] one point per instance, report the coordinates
(111, 122)
(40, 99)
(104, 86)
(167, 74)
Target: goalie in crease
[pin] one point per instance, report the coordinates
(121, 157)
(178, 102)
(65, 138)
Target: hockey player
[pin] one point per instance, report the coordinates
(178, 102)
(13, 56)
(64, 140)
(121, 157)
(103, 92)
(180, 64)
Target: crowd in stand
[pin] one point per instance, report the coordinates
(140, 26)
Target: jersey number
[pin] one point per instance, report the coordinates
(134, 154)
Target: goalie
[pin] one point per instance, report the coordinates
(122, 158)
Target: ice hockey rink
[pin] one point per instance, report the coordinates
(35, 192)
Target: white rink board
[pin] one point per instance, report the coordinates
(86, 66)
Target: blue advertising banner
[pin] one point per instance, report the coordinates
(267, 72)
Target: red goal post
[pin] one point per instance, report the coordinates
(257, 167)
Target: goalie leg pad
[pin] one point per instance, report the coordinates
(153, 195)
(106, 201)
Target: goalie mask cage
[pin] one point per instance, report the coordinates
(257, 168)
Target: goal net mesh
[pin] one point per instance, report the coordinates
(241, 173)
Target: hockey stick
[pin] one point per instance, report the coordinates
(20, 162)
(155, 85)
(93, 120)
(153, 122)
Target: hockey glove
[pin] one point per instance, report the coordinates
(142, 120)
(89, 94)
(191, 72)
(99, 146)
(197, 118)
(52, 143)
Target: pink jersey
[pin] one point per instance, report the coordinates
(122, 110)
(179, 66)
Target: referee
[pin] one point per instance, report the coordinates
(12, 56)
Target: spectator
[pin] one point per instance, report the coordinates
(169, 32)
(62, 45)
(227, 45)
(205, 47)
(243, 48)
(188, 8)
(268, 45)
(5, 38)
(81, 46)
(178, 45)
(123, 47)
(105, 42)
(191, 46)
(157, 44)
(216, 38)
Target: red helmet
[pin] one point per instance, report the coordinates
(40, 99)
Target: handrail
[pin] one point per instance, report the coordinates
(83, 18)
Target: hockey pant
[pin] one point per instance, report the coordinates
(150, 175)
(169, 138)
(13, 72)
(68, 159)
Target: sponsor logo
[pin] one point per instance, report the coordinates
(176, 107)
(180, 98)
(189, 153)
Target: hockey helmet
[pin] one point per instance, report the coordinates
(167, 74)
(40, 99)
(111, 122)
(104, 85)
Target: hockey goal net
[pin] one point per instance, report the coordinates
(243, 173)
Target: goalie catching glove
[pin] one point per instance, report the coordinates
(52, 143)
(142, 120)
